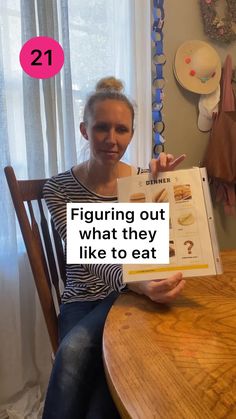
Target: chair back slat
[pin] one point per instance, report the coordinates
(35, 228)
(60, 253)
(49, 250)
(31, 190)
(39, 246)
(38, 240)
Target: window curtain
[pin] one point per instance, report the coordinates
(39, 137)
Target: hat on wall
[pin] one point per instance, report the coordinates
(197, 67)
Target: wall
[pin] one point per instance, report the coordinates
(182, 22)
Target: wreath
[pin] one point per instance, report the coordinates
(217, 28)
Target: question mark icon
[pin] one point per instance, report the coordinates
(190, 245)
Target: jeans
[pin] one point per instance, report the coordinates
(77, 387)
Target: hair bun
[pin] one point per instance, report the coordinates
(109, 84)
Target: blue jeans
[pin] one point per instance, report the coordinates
(77, 387)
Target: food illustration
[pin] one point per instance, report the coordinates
(160, 196)
(186, 219)
(189, 245)
(182, 192)
(171, 249)
(137, 197)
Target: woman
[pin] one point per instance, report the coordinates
(77, 387)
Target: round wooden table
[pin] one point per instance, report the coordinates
(176, 361)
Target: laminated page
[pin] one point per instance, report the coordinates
(193, 247)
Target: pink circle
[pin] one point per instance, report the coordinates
(41, 57)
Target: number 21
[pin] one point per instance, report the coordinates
(39, 54)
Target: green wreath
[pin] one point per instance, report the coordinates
(219, 29)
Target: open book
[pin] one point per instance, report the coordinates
(193, 246)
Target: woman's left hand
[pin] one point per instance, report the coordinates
(164, 163)
(160, 291)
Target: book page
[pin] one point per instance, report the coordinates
(190, 239)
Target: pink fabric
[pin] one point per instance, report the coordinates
(220, 156)
(225, 193)
(228, 102)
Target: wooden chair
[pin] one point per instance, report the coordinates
(43, 245)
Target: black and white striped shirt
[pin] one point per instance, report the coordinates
(84, 282)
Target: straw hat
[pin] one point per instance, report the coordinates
(197, 67)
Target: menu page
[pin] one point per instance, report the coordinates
(193, 247)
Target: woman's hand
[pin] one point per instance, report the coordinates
(160, 291)
(164, 163)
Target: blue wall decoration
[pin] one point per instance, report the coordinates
(158, 82)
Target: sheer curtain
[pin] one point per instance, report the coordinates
(39, 136)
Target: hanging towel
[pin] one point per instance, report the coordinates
(220, 156)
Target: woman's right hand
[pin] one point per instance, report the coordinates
(160, 291)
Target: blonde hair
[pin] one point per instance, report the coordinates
(109, 84)
(107, 88)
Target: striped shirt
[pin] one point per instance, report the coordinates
(83, 282)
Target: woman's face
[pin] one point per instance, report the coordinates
(109, 130)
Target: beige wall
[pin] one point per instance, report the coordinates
(182, 22)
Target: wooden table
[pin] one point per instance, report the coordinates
(176, 361)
